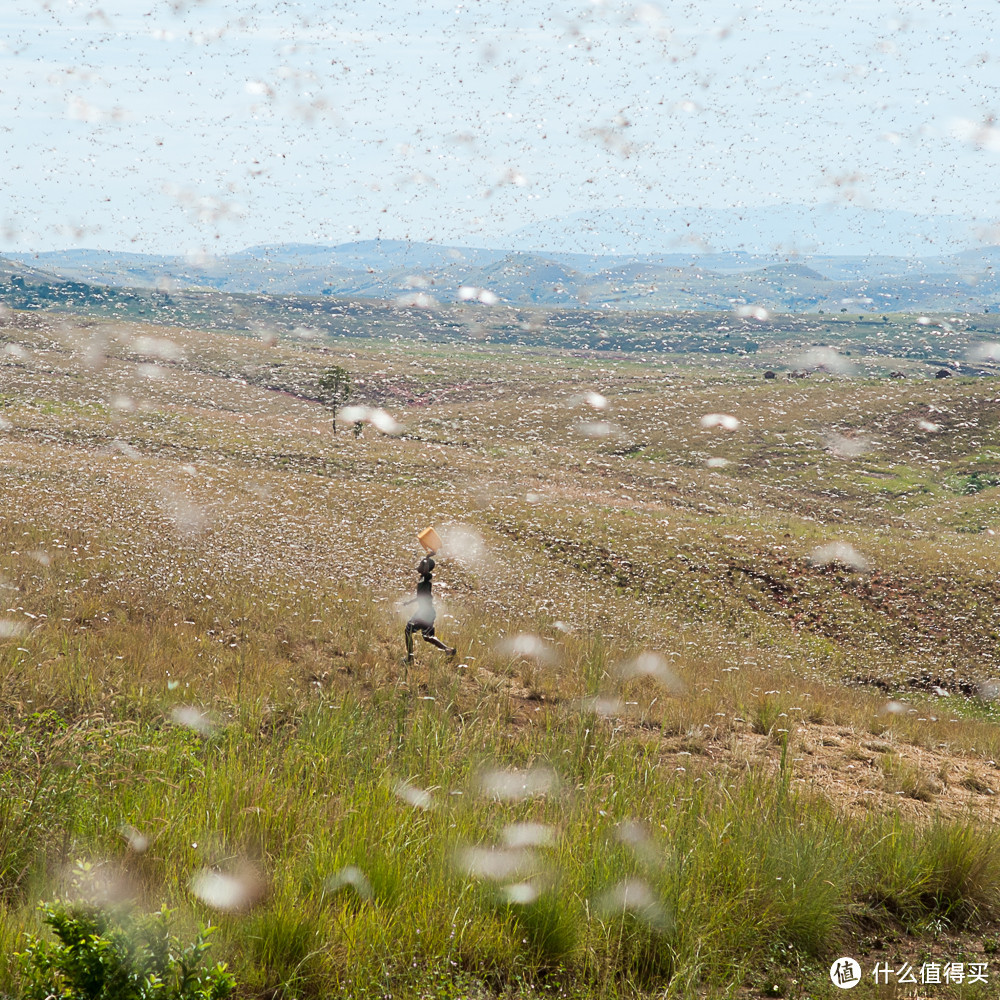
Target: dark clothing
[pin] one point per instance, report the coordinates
(426, 627)
(423, 617)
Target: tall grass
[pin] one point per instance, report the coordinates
(645, 874)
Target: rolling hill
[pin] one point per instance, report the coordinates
(394, 270)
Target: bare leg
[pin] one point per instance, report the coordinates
(434, 641)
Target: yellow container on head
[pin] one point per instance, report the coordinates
(429, 539)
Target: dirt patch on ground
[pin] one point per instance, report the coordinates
(864, 774)
(856, 771)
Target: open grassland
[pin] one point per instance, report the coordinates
(686, 748)
(711, 331)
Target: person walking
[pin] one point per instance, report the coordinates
(424, 615)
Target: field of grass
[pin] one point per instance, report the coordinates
(873, 343)
(723, 709)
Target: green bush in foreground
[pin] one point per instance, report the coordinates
(99, 958)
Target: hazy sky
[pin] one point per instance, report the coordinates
(177, 125)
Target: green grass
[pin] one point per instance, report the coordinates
(734, 864)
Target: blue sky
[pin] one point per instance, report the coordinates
(178, 126)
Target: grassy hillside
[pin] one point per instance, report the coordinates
(731, 337)
(723, 709)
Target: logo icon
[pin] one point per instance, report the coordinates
(845, 973)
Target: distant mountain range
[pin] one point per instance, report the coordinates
(693, 279)
(831, 229)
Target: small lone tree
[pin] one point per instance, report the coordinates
(335, 389)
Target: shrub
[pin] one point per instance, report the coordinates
(100, 957)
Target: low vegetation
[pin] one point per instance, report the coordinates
(118, 957)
